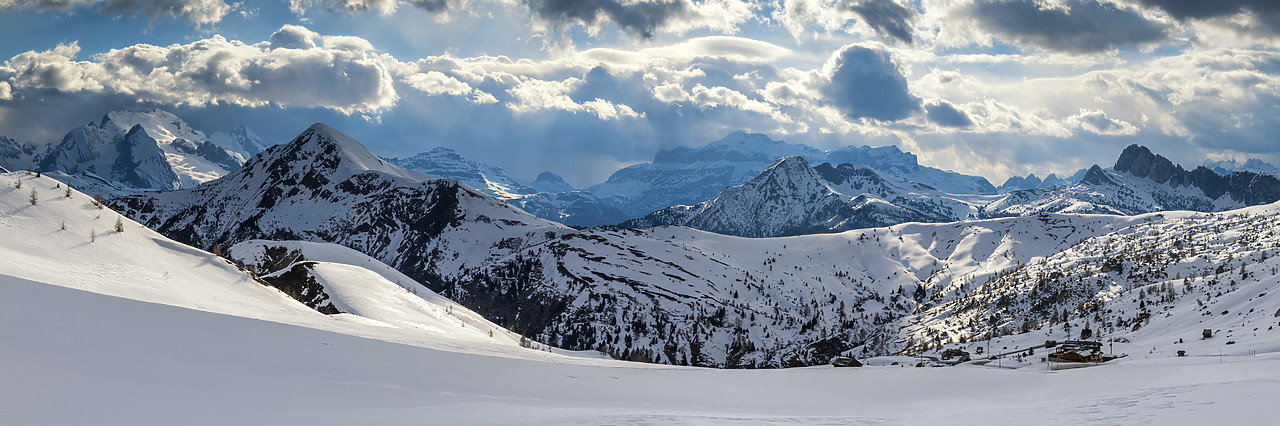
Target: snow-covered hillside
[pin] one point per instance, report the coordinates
(352, 283)
(1164, 279)
(68, 240)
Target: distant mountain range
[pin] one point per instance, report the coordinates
(737, 185)
(130, 151)
(790, 198)
(1031, 181)
(676, 176)
(1226, 167)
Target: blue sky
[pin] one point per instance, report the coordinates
(582, 87)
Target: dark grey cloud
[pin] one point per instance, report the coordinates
(945, 114)
(866, 83)
(196, 11)
(1087, 26)
(641, 17)
(887, 17)
(1265, 12)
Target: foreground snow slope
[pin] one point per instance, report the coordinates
(358, 285)
(137, 263)
(73, 357)
(142, 265)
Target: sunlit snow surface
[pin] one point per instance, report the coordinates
(133, 328)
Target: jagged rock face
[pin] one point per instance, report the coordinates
(1246, 188)
(1141, 162)
(298, 282)
(131, 158)
(132, 151)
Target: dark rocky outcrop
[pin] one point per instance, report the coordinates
(1248, 188)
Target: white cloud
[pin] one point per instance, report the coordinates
(436, 83)
(217, 70)
(711, 97)
(606, 110)
(1097, 122)
(533, 95)
(293, 37)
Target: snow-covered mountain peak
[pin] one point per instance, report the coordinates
(445, 163)
(551, 182)
(790, 163)
(161, 125)
(242, 141)
(882, 157)
(738, 147)
(330, 153)
(1097, 176)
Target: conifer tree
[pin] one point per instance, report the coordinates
(35, 196)
(119, 224)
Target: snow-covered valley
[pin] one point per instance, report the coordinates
(132, 328)
(340, 321)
